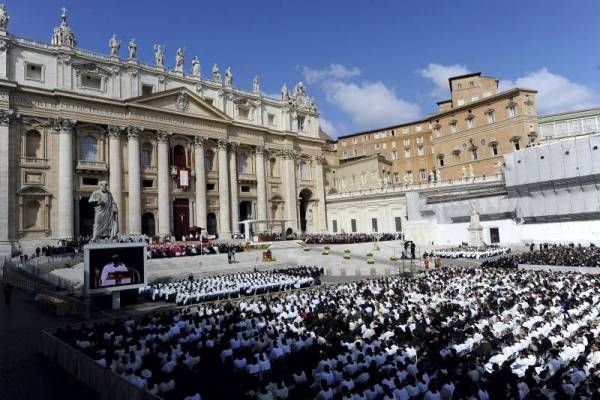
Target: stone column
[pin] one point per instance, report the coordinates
(134, 209)
(164, 201)
(115, 182)
(321, 224)
(64, 127)
(200, 169)
(261, 188)
(7, 200)
(224, 221)
(233, 187)
(289, 184)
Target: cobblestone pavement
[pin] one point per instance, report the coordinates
(24, 374)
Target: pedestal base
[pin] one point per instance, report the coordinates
(6, 249)
(116, 300)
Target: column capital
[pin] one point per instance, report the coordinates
(200, 141)
(63, 125)
(289, 154)
(233, 146)
(222, 144)
(133, 132)
(115, 131)
(7, 117)
(162, 136)
(261, 150)
(320, 159)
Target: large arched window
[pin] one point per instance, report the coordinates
(303, 170)
(209, 160)
(273, 167)
(243, 166)
(147, 154)
(32, 214)
(33, 144)
(89, 148)
(179, 156)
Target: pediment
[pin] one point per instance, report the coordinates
(180, 100)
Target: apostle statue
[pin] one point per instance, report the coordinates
(159, 55)
(216, 73)
(285, 93)
(106, 213)
(256, 85)
(228, 77)
(179, 59)
(4, 17)
(196, 71)
(115, 45)
(132, 49)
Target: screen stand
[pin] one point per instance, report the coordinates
(116, 300)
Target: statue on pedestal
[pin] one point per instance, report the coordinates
(216, 73)
(196, 71)
(159, 55)
(285, 93)
(475, 228)
(256, 85)
(4, 17)
(228, 77)
(115, 45)
(132, 49)
(179, 59)
(106, 214)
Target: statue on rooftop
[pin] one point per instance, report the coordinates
(196, 69)
(4, 17)
(115, 44)
(159, 55)
(132, 49)
(228, 77)
(216, 73)
(179, 59)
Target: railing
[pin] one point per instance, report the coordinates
(393, 188)
(34, 161)
(150, 170)
(91, 165)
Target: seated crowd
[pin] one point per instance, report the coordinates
(219, 287)
(454, 333)
(470, 252)
(180, 249)
(569, 255)
(346, 238)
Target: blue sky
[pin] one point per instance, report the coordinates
(367, 63)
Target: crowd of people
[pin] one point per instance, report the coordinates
(470, 252)
(570, 255)
(229, 286)
(347, 238)
(453, 333)
(181, 249)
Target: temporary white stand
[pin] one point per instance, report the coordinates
(116, 300)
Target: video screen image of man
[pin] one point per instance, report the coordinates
(115, 272)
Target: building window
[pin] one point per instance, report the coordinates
(377, 146)
(422, 174)
(146, 154)
(393, 145)
(459, 85)
(354, 152)
(437, 131)
(33, 144)
(354, 141)
(147, 183)
(345, 154)
(421, 151)
(147, 89)
(301, 123)
(474, 154)
(334, 226)
(90, 81)
(384, 146)
(494, 149)
(273, 167)
(418, 128)
(405, 131)
(374, 225)
(343, 143)
(271, 119)
(512, 111)
(398, 222)
(393, 133)
(245, 189)
(32, 214)
(353, 225)
(441, 161)
(209, 101)
(491, 118)
(516, 144)
(34, 72)
(209, 160)
(456, 155)
(303, 170)
(394, 155)
(245, 113)
(210, 187)
(471, 83)
(86, 181)
(243, 163)
(471, 123)
(396, 177)
(89, 148)
(406, 153)
(453, 127)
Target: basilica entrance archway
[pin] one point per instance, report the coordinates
(305, 211)
(181, 218)
(86, 217)
(245, 213)
(211, 223)
(148, 225)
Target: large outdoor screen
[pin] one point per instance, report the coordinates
(110, 267)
